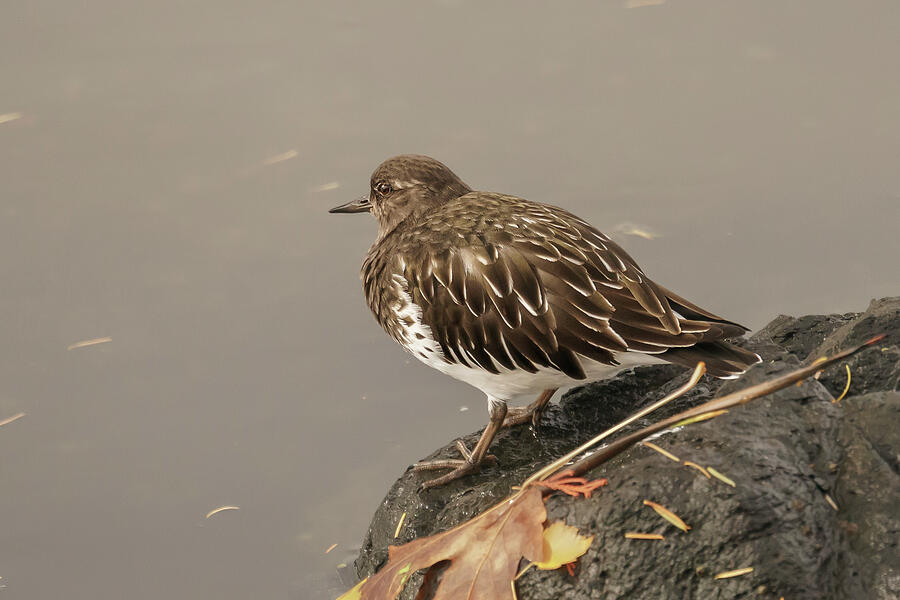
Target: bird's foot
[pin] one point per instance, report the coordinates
(460, 467)
(533, 412)
(517, 415)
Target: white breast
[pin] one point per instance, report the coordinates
(508, 384)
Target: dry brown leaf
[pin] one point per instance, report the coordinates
(483, 553)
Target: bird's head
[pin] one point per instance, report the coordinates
(405, 186)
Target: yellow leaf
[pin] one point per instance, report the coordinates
(562, 545)
(665, 453)
(720, 477)
(735, 573)
(846, 387)
(668, 515)
(633, 535)
(354, 593)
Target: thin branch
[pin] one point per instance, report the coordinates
(735, 399)
(699, 370)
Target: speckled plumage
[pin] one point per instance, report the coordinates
(515, 296)
(502, 282)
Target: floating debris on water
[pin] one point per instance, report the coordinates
(281, 157)
(220, 509)
(86, 343)
(327, 187)
(643, 3)
(9, 420)
(640, 231)
(6, 118)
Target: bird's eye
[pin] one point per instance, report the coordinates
(384, 188)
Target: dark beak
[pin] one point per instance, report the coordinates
(359, 205)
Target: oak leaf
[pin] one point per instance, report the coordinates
(478, 558)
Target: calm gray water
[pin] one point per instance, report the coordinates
(165, 171)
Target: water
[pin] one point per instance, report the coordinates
(166, 185)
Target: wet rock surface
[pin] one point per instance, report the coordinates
(788, 454)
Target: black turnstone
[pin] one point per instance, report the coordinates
(516, 297)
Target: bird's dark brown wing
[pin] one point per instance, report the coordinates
(506, 283)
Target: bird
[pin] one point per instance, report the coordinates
(517, 298)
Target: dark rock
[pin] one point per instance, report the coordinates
(785, 453)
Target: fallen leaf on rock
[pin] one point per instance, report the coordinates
(563, 544)
(643, 536)
(399, 525)
(694, 465)
(668, 515)
(665, 453)
(720, 477)
(479, 558)
(735, 573)
(846, 387)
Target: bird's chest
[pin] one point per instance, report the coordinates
(389, 299)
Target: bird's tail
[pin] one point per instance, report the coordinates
(722, 359)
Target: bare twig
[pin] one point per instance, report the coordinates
(729, 401)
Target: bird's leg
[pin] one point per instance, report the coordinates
(471, 461)
(533, 412)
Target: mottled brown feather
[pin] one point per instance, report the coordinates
(506, 283)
